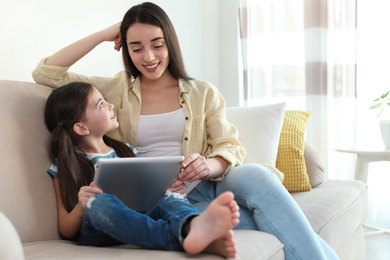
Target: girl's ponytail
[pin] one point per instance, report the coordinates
(74, 170)
(64, 107)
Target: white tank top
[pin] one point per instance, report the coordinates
(161, 134)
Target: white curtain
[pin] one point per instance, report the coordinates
(303, 52)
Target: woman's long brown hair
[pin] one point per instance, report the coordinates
(64, 107)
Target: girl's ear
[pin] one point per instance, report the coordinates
(80, 129)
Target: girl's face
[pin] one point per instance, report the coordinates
(99, 115)
(148, 50)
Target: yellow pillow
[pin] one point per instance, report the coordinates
(290, 158)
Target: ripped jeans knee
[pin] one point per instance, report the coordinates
(176, 195)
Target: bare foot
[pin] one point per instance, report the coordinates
(224, 246)
(211, 230)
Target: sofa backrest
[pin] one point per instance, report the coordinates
(26, 190)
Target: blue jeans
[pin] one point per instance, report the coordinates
(107, 221)
(267, 206)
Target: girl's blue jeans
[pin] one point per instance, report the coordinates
(266, 205)
(107, 221)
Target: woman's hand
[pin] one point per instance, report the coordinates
(113, 34)
(87, 192)
(197, 167)
(179, 187)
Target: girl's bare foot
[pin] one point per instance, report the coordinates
(224, 246)
(211, 231)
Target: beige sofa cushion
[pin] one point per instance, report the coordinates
(30, 203)
(268, 247)
(342, 212)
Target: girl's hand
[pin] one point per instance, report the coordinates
(112, 34)
(179, 187)
(195, 167)
(87, 192)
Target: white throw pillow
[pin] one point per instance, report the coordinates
(259, 130)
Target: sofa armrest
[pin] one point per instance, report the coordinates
(314, 166)
(10, 244)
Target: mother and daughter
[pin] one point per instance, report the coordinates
(161, 111)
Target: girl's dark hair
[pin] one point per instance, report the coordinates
(149, 13)
(65, 107)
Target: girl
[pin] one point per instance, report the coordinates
(155, 89)
(78, 118)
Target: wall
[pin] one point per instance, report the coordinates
(31, 30)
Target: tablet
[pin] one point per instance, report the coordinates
(139, 182)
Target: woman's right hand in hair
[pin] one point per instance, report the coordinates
(87, 192)
(113, 34)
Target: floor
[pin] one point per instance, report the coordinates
(378, 246)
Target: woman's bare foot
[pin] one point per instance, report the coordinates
(211, 231)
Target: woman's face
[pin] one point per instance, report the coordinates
(148, 50)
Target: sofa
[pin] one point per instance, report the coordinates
(336, 209)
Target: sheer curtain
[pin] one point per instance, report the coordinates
(303, 52)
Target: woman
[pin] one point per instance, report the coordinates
(162, 111)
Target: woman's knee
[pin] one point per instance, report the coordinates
(251, 172)
(248, 177)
